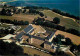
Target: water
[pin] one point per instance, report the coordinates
(70, 6)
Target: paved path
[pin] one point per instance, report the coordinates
(33, 47)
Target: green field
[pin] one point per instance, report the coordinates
(18, 17)
(67, 22)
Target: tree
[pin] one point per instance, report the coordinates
(62, 28)
(10, 49)
(40, 23)
(26, 22)
(56, 20)
(9, 13)
(40, 19)
(66, 14)
(73, 47)
(68, 41)
(19, 11)
(11, 31)
(73, 31)
(8, 10)
(24, 11)
(14, 10)
(58, 38)
(3, 12)
(6, 31)
(78, 48)
(41, 14)
(5, 5)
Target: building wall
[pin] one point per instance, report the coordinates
(50, 40)
(35, 41)
(32, 33)
(48, 47)
(25, 37)
(29, 40)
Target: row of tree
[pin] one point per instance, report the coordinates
(46, 23)
(7, 12)
(15, 22)
(11, 11)
(74, 48)
(33, 11)
(6, 31)
(35, 7)
(66, 14)
(10, 49)
(58, 38)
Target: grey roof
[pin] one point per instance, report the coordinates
(32, 36)
(37, 37)
(50, 36)
(46, 42)
(28, 29)
(52, 47)
(20, 35)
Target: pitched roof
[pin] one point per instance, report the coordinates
(37, 37)
(46, 42)
(19, 35)
(28, 29)
(38, 29)
(50, 36)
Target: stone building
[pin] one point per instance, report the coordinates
(36, 40)
(49, 46)
(30, 35)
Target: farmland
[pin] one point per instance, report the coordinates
(64, 21)
(34, 51)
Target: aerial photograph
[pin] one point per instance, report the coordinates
(39, 27)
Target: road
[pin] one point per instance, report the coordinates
(66, 50)
(33, 47)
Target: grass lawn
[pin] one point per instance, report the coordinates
(64, 21)
(18, 17)
(34, 51)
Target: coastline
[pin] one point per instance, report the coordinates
(20, 7)
(54, 12)
(64, 16)
(69, 8)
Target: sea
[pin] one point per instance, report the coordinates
(70, 6)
